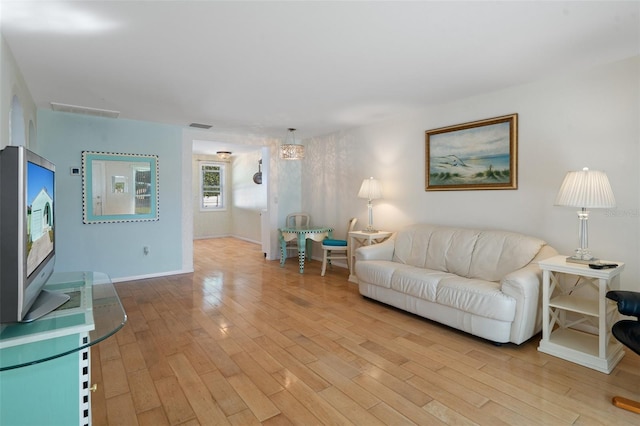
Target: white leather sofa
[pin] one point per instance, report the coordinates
(486, 283)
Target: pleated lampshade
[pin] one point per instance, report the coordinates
(586, 188)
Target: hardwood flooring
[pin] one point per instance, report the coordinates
(243, 341)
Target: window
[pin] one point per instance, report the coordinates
(212, 186)
(142, 177)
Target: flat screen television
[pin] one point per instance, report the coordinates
(27, 235)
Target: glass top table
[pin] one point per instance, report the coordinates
(94, 307)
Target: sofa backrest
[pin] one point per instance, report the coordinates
(471, 253)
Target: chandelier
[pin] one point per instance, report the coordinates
(290, 150)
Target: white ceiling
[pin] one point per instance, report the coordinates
(261, 67)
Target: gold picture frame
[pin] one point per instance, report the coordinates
(477, 155)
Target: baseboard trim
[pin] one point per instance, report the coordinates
(146, 276)
(208, 237)
(246, 239)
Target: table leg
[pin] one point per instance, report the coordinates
(302, 243)
(283, 250)
(546, 331)
(308, 246)
(366, 241)
(351, 251)
(602, 319)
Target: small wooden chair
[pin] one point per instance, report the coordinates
(331, 246)
(296, 220)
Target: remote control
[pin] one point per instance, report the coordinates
(603, 265)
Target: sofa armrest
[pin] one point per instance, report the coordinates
(381, 251)
(525, 286)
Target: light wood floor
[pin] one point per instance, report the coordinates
(243, 341)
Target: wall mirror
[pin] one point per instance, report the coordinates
(119, 187)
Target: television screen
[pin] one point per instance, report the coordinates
(40, 187)
(27, 233)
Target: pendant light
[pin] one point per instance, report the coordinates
(290, 150)
(224, 155)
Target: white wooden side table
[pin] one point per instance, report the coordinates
(359, 239)
(561, 333)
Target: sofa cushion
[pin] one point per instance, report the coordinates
(411, 245)
(378, 271)
(457, 246)
(487, 255)
(418, 282)
(497, 253)
(334, 243)
(436, 247)
(479, 297)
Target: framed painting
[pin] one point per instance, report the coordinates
(477, 155)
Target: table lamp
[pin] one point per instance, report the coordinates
(371, 190)
(587, 189)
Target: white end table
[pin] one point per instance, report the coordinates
(362, 238)
(600, 351)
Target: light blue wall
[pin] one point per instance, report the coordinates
(117, 248)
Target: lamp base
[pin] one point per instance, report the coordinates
(583, 256)
(572, 259)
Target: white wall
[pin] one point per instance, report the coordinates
(249, 198)
(12, 87)
(291, 187)
(589, 118)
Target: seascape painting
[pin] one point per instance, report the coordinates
(476, 155)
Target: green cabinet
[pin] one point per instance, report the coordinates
(45, 365)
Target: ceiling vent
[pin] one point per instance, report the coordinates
(200, 126)
(84, 110)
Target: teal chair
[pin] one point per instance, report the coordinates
(337, 249)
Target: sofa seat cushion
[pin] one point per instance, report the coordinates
(334, 243)
(478, 297)
(419, 282)
(378, 272)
